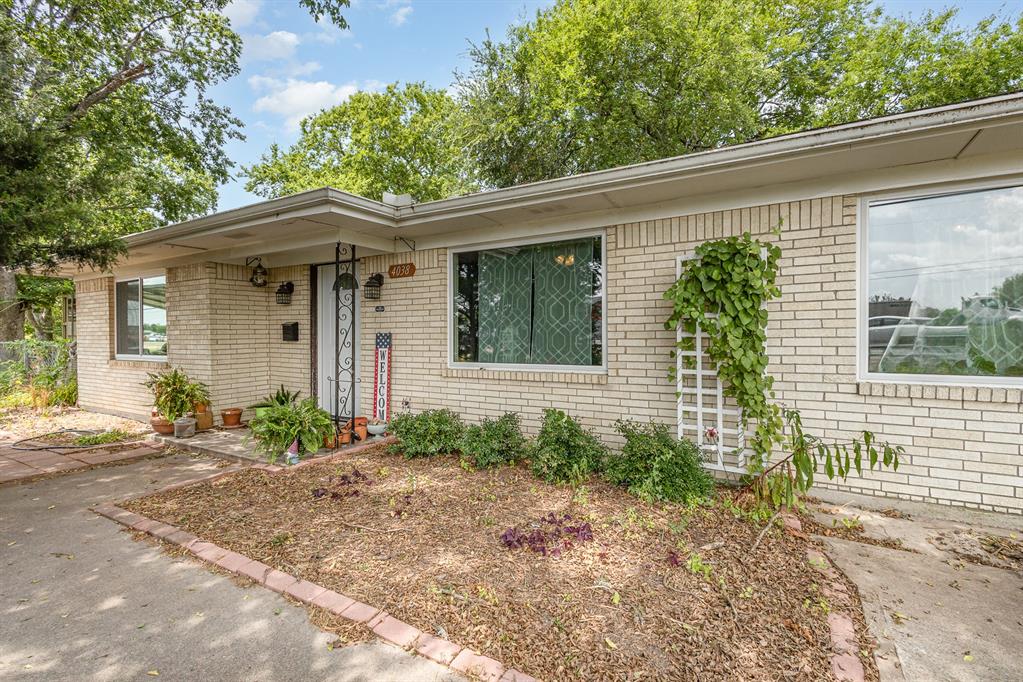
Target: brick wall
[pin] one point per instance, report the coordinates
(964, 446)
(220, 329)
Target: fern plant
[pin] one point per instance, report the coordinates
(281, 425)
(175, 394)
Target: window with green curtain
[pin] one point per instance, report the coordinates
(535, 304)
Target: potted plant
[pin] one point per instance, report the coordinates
(231, 417)
(282, 397)
(301, 424)
(175, 395)
(203, 416)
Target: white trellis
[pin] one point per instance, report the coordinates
(701, 405)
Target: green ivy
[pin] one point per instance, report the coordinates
(725, 290)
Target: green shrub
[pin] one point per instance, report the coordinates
(175, 394)
(432, 432)
(654, 465)
(494, 442)
(564, 452)
(278, 428)
(102, 438)
(65, 393)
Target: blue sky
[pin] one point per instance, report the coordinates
(292, 66)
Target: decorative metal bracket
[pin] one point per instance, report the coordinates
(409, 243)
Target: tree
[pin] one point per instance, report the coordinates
(592, 84)
(106, 126)
(401, 140)
(1010, 291)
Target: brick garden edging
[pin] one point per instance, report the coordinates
(845, 663)
(382, 624)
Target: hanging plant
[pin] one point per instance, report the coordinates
(724, 291)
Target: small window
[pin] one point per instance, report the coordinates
(944, 286)
(533, 305)
(140, 307)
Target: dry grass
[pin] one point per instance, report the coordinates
(30, 423)
(421, 539)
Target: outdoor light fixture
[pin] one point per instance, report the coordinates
(258, 278)
(284, 292)
(346, 280)
(372, 286)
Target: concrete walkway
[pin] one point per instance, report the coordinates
(81, 600)
(935, 615)
(31, 458)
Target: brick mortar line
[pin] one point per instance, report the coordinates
(382, 624)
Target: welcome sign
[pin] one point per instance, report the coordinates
(382, 378)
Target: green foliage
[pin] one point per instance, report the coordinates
(494, 442)
(794, 474)
(592, 84)
(40, 370)
(106, 122)
(432, 432)
(401, 140)
(655, 466)
(112, 436)
(175, 394)
(564, 452)
(281, 425)
(724, 291)
(281, 397)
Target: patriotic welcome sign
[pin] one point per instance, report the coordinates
(382, 378)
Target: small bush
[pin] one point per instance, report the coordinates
(433, 432)
(102, 438)
(655, 466)
(65, 393)
(494, 442)
(564, 452)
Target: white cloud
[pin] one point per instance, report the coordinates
(401, 15)
(276, 45)
(303, 69)
(294, 99)
(242, 13)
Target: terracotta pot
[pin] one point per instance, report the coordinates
(361, 431)
(330, 441)
(201, 408)
(361, 421)
(344, 438)
(232, 416)
(162, 426)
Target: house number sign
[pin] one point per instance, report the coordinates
(401, 270)
(382, 378)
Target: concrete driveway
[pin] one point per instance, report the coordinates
(937, 614)
(80, 600)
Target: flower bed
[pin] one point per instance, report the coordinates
(559, 583)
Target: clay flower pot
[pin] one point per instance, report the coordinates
(344, 438)
(330, 441)
(231, 417)
(161, 425)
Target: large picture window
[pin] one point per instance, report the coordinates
(944, 286)
(533, 304)
(140, 307)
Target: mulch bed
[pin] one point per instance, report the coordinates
(659, 592)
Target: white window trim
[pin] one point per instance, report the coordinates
(518, 367)
(862, 260)
(127, 356)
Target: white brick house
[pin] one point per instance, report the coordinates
(899, 238)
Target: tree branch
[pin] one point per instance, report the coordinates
(113, 84)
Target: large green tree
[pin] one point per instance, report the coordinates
(592, 84)
(400, 140)
(106, 126)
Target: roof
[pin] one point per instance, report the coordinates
(979, 128)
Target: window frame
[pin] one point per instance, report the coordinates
(863, 374)
(128, 356)
(452, 363)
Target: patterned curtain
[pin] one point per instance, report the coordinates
(562, 303)
(505, 291)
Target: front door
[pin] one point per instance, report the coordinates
(336, 328)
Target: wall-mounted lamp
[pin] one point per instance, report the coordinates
(372, 286)
(258, 278)
(284, 292)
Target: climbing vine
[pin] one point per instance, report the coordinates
(724, 290)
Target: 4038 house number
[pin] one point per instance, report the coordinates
(401, 270)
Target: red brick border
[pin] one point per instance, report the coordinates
(845, 663)
(384, 625)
